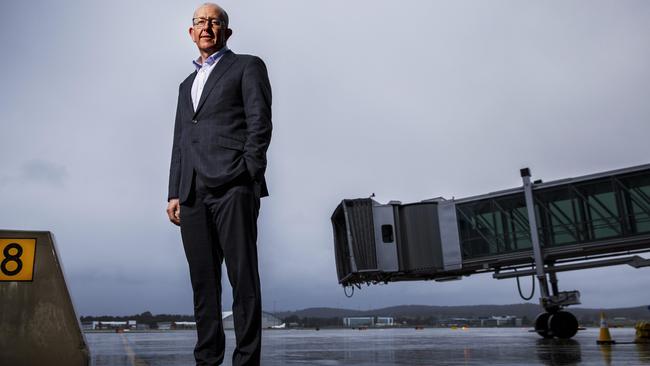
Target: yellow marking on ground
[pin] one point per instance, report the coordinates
(134, 360)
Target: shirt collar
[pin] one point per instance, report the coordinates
(211, 59)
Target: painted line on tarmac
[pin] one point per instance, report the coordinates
(133, 358)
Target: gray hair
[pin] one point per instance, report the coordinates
(223, 15)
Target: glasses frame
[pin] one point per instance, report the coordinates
(211, 22)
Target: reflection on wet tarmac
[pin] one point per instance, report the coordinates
(505, 346)
(563, 352)
(644, 352)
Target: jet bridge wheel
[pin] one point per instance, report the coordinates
(541, 325)
(560, 324)
(563, 324)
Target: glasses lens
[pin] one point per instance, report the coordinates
(202, 22)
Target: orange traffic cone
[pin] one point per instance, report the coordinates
(604, 337)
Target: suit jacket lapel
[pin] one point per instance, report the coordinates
(219, 69)
(187, 91)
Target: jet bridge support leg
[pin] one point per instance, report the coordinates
(554, 322)
(553, 279)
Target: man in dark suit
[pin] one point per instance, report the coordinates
(221, 134)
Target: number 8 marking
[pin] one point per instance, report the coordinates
(12, 258)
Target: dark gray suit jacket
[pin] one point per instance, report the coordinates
(228, 134)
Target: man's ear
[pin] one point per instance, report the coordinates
(191, 32)
(228, 33)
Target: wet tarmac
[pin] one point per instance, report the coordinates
(478, 346)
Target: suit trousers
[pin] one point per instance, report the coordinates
(220, 224)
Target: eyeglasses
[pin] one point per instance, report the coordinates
(205, 22)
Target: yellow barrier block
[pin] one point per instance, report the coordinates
(643, 332)
(38, 323)
(17, 259)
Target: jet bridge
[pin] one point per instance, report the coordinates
(537, 229)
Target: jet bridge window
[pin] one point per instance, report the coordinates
(387, 233)
(636, 201)
(493, 226)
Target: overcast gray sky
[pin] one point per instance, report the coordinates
(410, 100)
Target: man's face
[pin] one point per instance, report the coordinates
(208, 36)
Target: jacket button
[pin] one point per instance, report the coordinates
(195, 121)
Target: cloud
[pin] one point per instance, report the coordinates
(449, 101)
(43, 172)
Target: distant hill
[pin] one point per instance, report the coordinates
(524, 310)
(528, 310)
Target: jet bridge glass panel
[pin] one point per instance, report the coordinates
(493, 226)
(567, 214)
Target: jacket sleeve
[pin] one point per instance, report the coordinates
(256, 91)
(175, 166)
